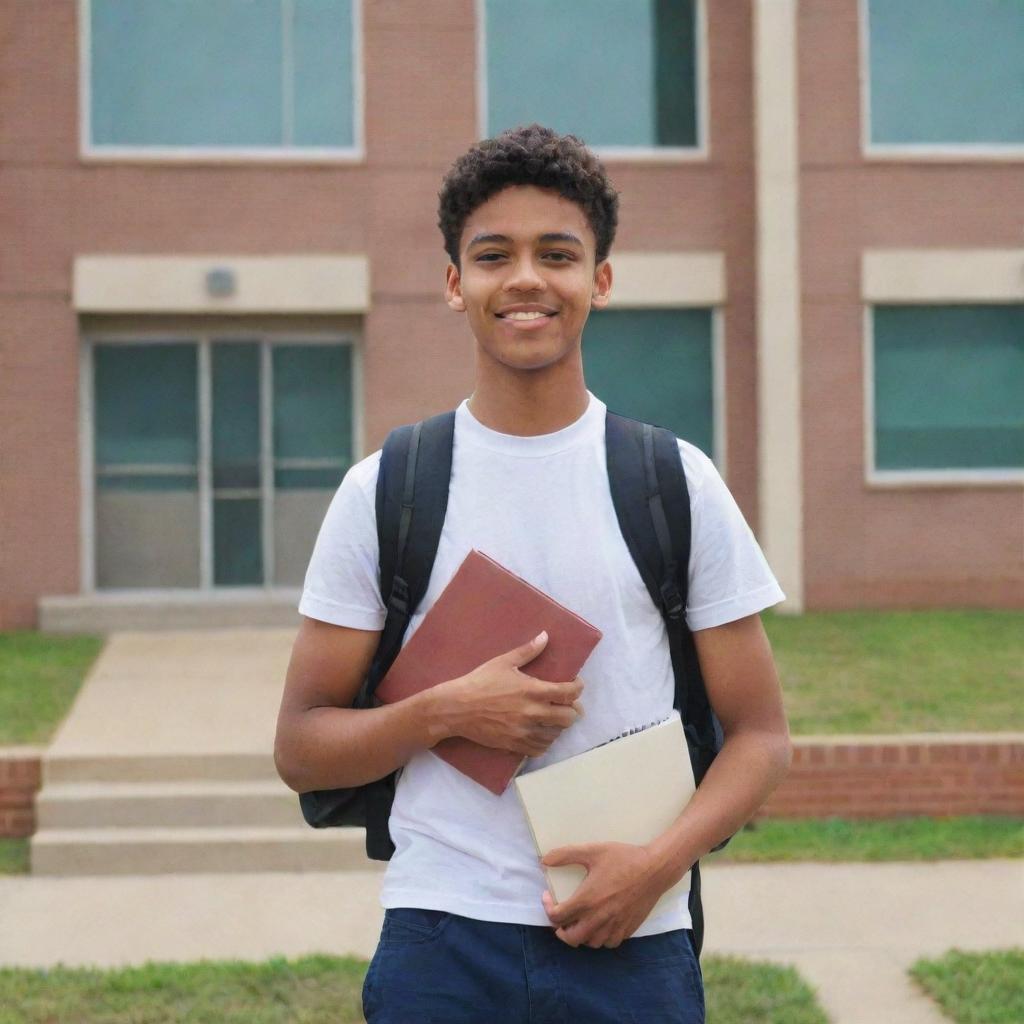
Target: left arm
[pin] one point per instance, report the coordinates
(623, 881)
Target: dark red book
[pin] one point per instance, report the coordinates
(485, 611)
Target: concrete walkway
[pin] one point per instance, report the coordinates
(850, 929)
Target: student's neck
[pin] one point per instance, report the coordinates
(528, 406)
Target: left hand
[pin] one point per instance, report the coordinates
(622, 885)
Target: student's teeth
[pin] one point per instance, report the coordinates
(524, 316)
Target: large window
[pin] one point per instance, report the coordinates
(655, 365)
(225, 75)
(946, 72)
(215, 460)
(948, 387)
(618, 73)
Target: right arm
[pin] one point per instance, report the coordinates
(323, 742)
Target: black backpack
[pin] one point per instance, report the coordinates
(651, 499)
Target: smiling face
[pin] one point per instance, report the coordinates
(528, 279)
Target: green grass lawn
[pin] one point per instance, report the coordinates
(40, 673)
(319, 990)
(901, 671)
(13, 856)
(976, 988)
(856, 672)
(838, 839)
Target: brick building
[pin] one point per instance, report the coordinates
(221, 278)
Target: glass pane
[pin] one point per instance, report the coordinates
(148, 483)
(313, 402)
(654, 365)
(947, 71)
(145, 404)
(237, 549)
(949, 387)
(147, 524)
(324, 96)
(147, 536)
(299, 479)
(298, 515)
(236, 415)
(186, 72)
(650, 100)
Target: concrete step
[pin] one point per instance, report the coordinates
(188, 804)
(150, 851)
(158, 767)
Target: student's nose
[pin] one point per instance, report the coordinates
(525, 277)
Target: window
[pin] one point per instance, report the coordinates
(215, 460)
(948, 387)
(617, 73)
(946, 72)
(654, 365)
(231, 75)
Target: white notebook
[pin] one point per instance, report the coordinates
(628, 790)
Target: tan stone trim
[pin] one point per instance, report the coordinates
(263, 284)
(780, 472)
(942, 275)
(651, 280)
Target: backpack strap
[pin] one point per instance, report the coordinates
(652, 503)
(411, 503)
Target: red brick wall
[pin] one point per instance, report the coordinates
(886, 777)
(20, 777)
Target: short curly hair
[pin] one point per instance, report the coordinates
(528, 155)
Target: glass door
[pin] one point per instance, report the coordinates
(215, 459)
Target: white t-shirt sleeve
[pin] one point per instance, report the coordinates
(729, 576)
(342, 581)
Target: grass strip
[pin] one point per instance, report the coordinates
(900, 671)
(13, 856)
(40, 674)
(319, 990)
(976, 988)
(889, 839)
(748, 992)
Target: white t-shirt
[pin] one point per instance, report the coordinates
(541, 506)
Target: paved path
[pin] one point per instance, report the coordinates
(850, 929)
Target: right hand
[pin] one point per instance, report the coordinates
(499, 706)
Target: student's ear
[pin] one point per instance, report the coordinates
(602, 285)
(453, 289)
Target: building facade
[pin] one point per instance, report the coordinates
(222, 278)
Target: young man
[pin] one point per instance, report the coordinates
(470, 934)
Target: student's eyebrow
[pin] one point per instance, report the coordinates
(550, 236)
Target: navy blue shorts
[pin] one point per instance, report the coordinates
(433, 966)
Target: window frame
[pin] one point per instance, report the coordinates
(914, 151)
(96, 153)
(204, 338)
(913, 478)
(619, 154)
